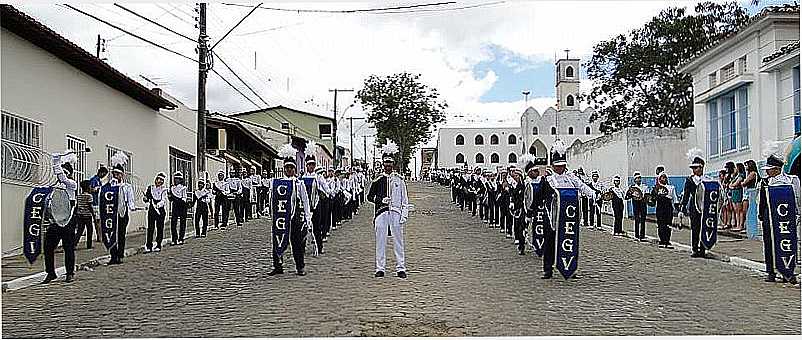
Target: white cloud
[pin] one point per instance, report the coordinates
(318, 52)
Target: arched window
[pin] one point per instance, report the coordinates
(494, 140)
(533, 150)
(480, 158)
(569, 72)
(512, 140)
(478, 140)
(570, 130)
(460, 158)
(553, 130)
(494, 158)
(512, 158)
(587, 130)
(460, 140)
(534, 130)
(569, 101)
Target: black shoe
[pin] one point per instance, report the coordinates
(793, 280)
(379, 274)
(770, 278)
(521, 252)
(402, 275)
(48, 279)
(69, 278)
(546, 276)
(300, 272)
(275, 272)
(574, 277)
(697, 255)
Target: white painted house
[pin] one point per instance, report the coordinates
(746, 88)
(55, 96)
(489, 147)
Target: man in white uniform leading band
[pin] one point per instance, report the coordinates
(388, 193)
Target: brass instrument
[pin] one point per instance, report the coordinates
(635, 192)
(608, 195)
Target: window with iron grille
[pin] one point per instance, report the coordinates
(110, 151)
(79, 146)
(182, 161)
(22, 149)
(728, 122)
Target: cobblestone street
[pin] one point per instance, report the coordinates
(464, 279)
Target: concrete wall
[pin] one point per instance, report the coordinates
(38, 86)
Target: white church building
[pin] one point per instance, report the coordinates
(489, 147)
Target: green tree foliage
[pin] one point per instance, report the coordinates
(635, 77)
(403, 109)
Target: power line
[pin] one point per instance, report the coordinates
(446, 9)
(345, 11)
(235, 26)
(153, 22)
(240, 79)
(129, 33)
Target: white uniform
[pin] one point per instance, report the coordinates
(394, 219)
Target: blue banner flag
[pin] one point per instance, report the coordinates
(34, 222)
(308, 181)
(539, 222)
(709, 214)
(567, 241)
(282, 214)
(109, 213)
(782, 216)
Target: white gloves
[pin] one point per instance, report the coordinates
(386, 200)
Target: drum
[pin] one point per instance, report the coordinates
(59, 209)
(608, 195)
(636, 193)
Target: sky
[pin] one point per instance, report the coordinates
(480, 59)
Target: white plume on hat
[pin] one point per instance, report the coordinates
(389, 148)
(119, 158)
(69, 157)
(287, 151)
(693, 153)
(559, 146)
(772, 148)
(525, 159)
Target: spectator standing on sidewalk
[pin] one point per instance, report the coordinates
(84, 214)
(736, 194)
(750, 195)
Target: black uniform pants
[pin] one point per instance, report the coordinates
(220, 210)
(549, 250)
(325, 217)
(155, 223)
(506, 218)
(664, 231)
(201, 214)
(178, 221)
(768, 250)
(117, 251)
(587, 215)
(317, 225)
(472, 203)
(461, 200)
(238, 209)
(246, 204)
(618, 213)
(492, 211)
(639, 217)
(261, 199)
(65, 235)
(520, 224)
(453, 194)
(297, 243)
(696, 233)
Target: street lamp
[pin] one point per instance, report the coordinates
(526, 97)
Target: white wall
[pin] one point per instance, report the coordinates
(38, 86)
(447, 149)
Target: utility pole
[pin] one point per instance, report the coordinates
(365, 148)
(97, 47)
(202, 70)
(352, 119)
(334, 130)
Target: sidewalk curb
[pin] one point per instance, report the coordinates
(711, 255)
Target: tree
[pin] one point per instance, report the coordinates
(635, 77)
(403, 109)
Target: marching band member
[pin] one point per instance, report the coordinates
(638, 206)
(331, 181)
(324, 205)
(261, 203)
(687, 203)
(316, 191)
(245, 203)
(235, 192)
(561, 178)
(473, 186)
(517, 209)
(491, 191)
(666, 197)
(503, 202)
(585, 201)
(156, 197)
(388, 193)
(775, 178)
(595, 205)
(300, 215)
(618, 206)
(63, 169)
(178, 208)
(338, 199)
(201, 199)
(222, 204)
(255, 182)
(484, 213)
(126, 204)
